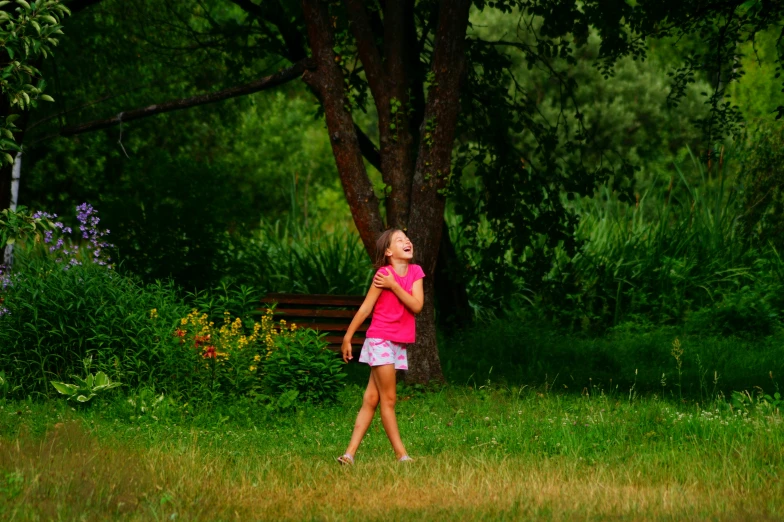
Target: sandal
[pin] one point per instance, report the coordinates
(346, 460)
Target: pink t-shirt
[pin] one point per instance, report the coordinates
(392, 321)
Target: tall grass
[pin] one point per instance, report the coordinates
(294, 257)
(677, 250)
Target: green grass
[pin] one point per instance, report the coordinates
(481, 453)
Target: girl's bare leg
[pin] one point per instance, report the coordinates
(386, 385)
(365, 416)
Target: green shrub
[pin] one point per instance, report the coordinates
(56, 318)
(524, 349)
(302, 363)
(743, 314)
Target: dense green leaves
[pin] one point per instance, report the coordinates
(28, 33)
(302, 364)
(55, 318)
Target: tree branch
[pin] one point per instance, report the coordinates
(271, 11)
(368, 51)
(280, 77)
(368, 148)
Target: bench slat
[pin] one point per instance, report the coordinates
(310, 312)
(314, 299)
(308, 317)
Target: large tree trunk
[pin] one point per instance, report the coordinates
(417, 200)
(433, 169)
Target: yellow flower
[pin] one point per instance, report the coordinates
(154, 313)
(252, 368)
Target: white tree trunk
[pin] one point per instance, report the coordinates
(16, 174)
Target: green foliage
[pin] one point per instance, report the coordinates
(678, 249)
(301, 366)
(766, 403)
(761, 182)
(298, 258)
(56, 318)
(520, 347)
(238, 300)
(180, 201)
(6, 388)
(85, 388)
(21, 225)
(28, 33)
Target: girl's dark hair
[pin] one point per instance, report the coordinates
(383, 242)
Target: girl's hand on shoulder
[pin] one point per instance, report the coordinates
(345, 349)
(384, 279)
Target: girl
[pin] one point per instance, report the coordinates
(397, 295)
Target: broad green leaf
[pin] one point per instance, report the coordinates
(46, 97)
(81, 382)
(82, 398)
(65, 389)
(108, 386)
(23, 4)
(100, 379)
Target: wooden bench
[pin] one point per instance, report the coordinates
(330, 314)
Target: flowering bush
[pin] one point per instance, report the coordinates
(65, 248)
(230, 358)
(261, 358)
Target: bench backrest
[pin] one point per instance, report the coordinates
(330, 314)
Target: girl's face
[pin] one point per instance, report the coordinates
(400, 247)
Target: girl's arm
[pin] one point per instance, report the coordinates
(412, 301)
(362, 314)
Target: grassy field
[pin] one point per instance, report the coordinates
(480, 453)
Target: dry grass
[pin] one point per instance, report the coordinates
(71, 474)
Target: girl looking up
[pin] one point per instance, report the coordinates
(396, 294)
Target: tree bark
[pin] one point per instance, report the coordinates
(432, 173)
(387, 78)
(6, 170)
(8, 254)
(327, 80)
